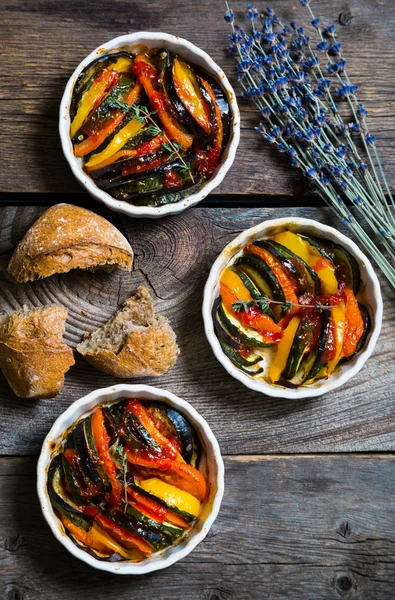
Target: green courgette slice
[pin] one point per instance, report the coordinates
(318, 362)
(238, 360)
(301, 341)
(253, 339)
(272, 287)
(166, 528)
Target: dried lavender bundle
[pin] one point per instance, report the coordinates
(296, 84)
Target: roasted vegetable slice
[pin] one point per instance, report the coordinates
(188, 89)
(306, 280)
(95, 93)
(238, 360)
(319, 362)
(147, 75)
(283, 349)
(59, 497)
(245, 336)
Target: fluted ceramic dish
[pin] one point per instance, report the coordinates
(190, 53)
(214, 467)
(372, 293)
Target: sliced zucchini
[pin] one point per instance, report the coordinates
(300, 343)
(156, 539)
(244, 335)
(166, 528)
(87, 463)
(259, 265)
(59, 498)
(319, 364)
(347, 267)
(219, 328)
(72, 481)
(238, 360)
(252, 288)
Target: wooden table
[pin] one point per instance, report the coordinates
(309, 507)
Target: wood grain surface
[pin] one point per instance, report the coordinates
(173, 257)
(43, 41)
(290, 528)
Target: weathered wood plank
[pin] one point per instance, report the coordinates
(173, 257)
(311, 527)
(42, 42)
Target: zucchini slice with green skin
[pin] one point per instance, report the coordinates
(347, 267)
(90, 442)
(318, 362)
(187, 516)
(219, 328)
(244, 339)
(304, 369)
(259, 265)
(87, 463)
(57, 495)
(252, 288)
(313, 281)
(167, 529)
(301, 341)
(156, 539)
(132, 426)
(238, 360)
(72, 481)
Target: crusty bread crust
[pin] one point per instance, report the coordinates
(68, 237)
(33, 356)
(148, 349)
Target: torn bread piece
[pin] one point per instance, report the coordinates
(69, 237)
(135, 342)
(33, 355)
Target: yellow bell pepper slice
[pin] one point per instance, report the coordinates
(101, 536)
(338, 316)
(172, 495)
(99, 89)
(117, 142)
(283, 349)
(187, 88)
(232, 281)
(323, 267)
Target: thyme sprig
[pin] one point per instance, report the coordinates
(263, 303)
(124, 462)
(143, 115)
(296, 85)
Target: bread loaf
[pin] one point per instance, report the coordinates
(68, 237)
(135, 342)
(33, 356)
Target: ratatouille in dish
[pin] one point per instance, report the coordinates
(290, 309)
(126, 482)
(150, 127)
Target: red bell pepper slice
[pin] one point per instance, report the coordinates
(130, 169)
(102, 445)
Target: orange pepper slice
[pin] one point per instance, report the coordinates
(84, 537)
(102, 445)
(123, 535)
(286, 285)
(354, 324)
